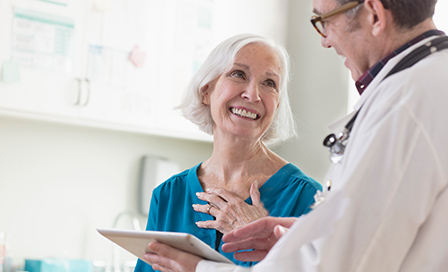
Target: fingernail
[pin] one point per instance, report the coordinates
(282, 229)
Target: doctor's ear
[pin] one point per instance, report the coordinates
(377, 16)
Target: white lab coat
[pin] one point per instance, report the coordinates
(388, 206)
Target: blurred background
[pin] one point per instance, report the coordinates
(87, 126)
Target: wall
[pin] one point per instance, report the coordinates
(58, 183)
(318, 92)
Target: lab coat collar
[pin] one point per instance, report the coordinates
(339, 124)
(368, 92)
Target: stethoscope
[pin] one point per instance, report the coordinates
(337, 144)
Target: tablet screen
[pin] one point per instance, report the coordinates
(136, 242)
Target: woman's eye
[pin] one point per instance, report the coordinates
(239, 74)
(271, 84)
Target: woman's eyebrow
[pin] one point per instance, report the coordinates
(271, 74)
(242, 65)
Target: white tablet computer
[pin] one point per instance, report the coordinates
(136, 242)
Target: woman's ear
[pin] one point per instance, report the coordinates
(205, 91)
(377, 16)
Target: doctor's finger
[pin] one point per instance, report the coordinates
(279, 231)
(261, 228)
(251, 256)
(257, 229)
(261, 244)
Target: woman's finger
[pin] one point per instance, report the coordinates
(223, 222)
(167, 259)
(223, 194)
(208, 209)
(219, 225)
(213, 199)
(255, 194)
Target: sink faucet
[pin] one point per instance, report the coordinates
(116, 249)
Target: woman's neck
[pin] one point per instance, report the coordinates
(236, 163)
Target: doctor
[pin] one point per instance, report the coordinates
(387, 208)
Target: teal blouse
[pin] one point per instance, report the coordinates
(287, 193)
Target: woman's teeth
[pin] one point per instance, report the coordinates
(244, 113)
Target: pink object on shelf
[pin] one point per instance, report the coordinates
(137, 57)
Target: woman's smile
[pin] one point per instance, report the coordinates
(245, 113)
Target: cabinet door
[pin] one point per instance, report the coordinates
(131, 66)
(120, 64)
(120, 85)
(40, 57)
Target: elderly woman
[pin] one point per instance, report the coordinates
(240, 96)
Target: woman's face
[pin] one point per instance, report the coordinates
(244, 99)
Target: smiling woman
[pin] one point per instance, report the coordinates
(218, 62)
(244, 99)
(239, 95)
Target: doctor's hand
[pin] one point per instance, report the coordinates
(260, 236)
(168, 259)
(230, 211)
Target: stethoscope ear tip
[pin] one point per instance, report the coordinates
(330, 140)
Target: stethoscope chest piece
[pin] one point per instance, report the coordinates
(337, 145)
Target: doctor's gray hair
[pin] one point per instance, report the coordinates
(406, 13)
(218, 62)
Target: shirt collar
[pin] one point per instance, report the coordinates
(369, 75)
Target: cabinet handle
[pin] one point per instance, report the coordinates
(88, 92)
(83, 96)
(78, 98)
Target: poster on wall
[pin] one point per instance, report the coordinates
(57, 2)
(43, 41)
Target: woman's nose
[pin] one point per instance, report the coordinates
(252, 92)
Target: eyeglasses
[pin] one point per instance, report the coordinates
(318, 20)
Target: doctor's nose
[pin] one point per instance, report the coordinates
(324, 42)
(251, 93)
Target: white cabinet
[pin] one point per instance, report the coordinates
(119, 64)
(31, 32)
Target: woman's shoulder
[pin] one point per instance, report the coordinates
(294, 174)
(179, 179)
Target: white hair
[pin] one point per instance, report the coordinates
(217, 63)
